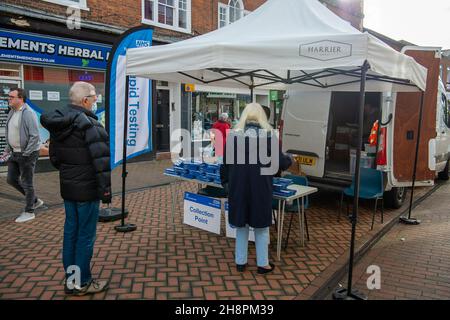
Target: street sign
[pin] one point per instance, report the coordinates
(273, 95)
(189, 87)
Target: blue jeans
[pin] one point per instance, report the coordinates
(79, 236)
(261, 243)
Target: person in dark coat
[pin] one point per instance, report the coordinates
(79, 149)
(247, 174)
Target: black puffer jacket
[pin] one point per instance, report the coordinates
(79, 148)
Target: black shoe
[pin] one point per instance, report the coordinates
(262, 270)
(66, 289)
(241, 267)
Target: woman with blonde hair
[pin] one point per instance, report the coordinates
(249, 185)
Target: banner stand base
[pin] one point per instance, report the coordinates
(126, 228)
(342, 294)
(411, 221)
(110, 214)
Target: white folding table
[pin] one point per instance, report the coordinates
(301, 193)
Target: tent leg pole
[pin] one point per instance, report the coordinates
(342, 293)
(251, 89)
(409, 220)
(125, 227)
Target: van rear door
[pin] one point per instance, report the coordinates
(406, 125)
(305, 123)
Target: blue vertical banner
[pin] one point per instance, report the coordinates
(139, 131)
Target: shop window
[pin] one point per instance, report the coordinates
(230, 13)
(9, 70)
(47, 88)
(170, 14)
(162, 83)
(207, 106)
(70, 3)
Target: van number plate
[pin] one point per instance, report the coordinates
(307, 161)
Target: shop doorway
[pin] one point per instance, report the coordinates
(5, 86)
(162, 120)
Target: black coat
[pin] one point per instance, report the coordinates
(79, 148)
(249, 192)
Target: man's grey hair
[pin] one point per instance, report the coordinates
(80, 90)
(223, 116)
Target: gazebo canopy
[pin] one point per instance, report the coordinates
(282, 43)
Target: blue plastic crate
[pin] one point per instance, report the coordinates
(171, 171)
(285, 181)
(189, 176)
(212, 168)
(278, 186)
(195, 173)
(179, 163)
(213, 175)
(193, 166)
(284, 193)
(180, 171)
(204, 178)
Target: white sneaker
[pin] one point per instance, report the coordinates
(39, 203)
(25, 216)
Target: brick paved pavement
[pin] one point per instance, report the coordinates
(140, 175)
(414, 260)
(165, 261)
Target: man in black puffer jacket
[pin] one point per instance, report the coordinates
(79, 149)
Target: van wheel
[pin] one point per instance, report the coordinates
(395, 197)
(443, 175)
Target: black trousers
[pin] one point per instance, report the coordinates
(20, 176)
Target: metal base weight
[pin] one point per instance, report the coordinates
(110, 214)
(126, 228)
(410, 221)
(342, 294)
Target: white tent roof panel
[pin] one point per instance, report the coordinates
(280, 36)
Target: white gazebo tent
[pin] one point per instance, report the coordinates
(285, 44)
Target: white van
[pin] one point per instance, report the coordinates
(321, 129)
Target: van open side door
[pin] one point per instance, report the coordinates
(305, 126)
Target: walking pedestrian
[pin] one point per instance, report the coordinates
(22, 144)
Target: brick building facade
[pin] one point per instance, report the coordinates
(101, 24)
(115, 16)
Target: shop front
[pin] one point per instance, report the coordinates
(202, 105)
(209, 102)
(46, 67)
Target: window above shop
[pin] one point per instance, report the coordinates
(71, 3)
(168, 14)
(231, 12)
(9, 70)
